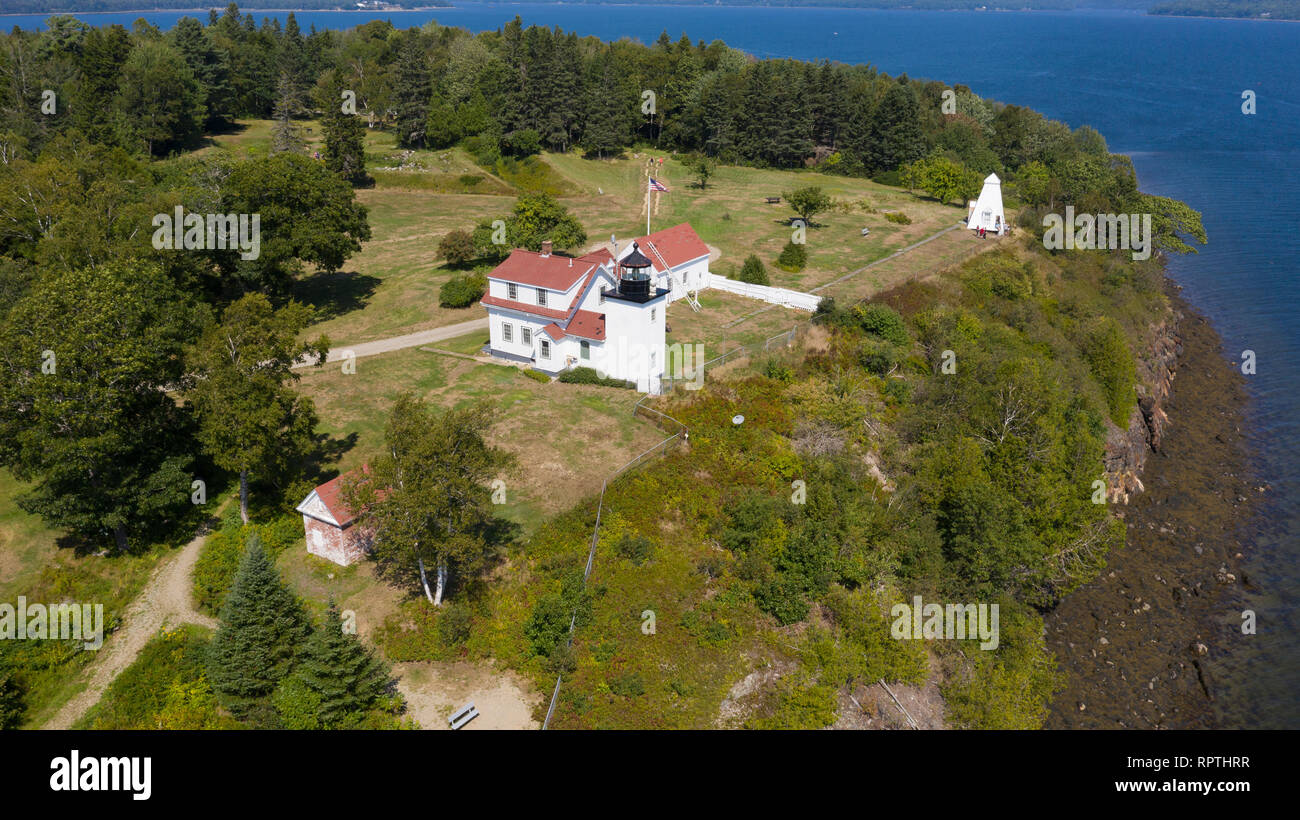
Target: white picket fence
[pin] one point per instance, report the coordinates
(776, 296)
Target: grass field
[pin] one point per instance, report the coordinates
(566, 437)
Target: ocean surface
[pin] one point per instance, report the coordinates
(1166, 91)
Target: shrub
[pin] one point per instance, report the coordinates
(883, 321)
(11, 697)
(522, 143)
(878, 357)
(454, 624)
(1112, 366)
(753, 271)
(219, 560)
(588, 375)
(457, 247)
(793, 258)
(783, 599)
(898, 218)
(462, 291)
(215, 568)
(628, 686)
(536, 375)
(635, 548)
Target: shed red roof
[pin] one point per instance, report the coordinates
(675, 246)
(524, 307)
(330, 494)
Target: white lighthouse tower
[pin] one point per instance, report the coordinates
(986, 212)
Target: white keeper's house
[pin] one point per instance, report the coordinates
(601, 310)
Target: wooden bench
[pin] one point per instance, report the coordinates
(462, 716)
(773, 200)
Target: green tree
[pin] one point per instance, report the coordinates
(892, 136)
(346, 677)
(161, 103)
(412, 93)
(793, 258)
(86, 360)
(345, 142)
(11, 696)
(261, 634)
(425, 499)
(248, 417)
(457, 247)
(307, 214)
(702, 168)
(944, 179)
(808, 202)
(753, 271)
(534, 219)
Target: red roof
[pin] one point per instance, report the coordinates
(551, 272)
(330, 494)
(524, 307)
(553, 330)
(588, 325)
(674, 246)
(599, 256)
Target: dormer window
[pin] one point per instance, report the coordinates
(541, 297)
(602, 294)
(512, 291)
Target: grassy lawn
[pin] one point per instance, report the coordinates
(391, 287)
(469, 344)
(731, 213)
(566, 437)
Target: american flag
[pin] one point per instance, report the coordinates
(655, 185)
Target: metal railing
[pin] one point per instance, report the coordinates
(661, 447)
(783, 339)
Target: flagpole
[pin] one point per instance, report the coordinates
(647, 205)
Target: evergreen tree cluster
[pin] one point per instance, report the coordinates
(270, 668)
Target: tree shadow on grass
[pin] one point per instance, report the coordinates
(335, 294)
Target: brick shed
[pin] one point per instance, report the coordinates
(329, 525)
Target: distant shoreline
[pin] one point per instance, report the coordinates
(791, 5)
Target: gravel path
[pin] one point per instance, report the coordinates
(422, 337)
(165, 601)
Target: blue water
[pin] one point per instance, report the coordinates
(1166, 91)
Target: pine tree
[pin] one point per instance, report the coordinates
(288, 104)
(893, 136)
(412, 93)
(343, 673)
(345, 148)
(262, 631)
(11, 696)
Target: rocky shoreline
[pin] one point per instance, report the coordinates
(1134, 643)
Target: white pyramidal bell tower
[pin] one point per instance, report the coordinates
(986, 212)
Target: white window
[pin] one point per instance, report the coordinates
(586, 349)
(526, 333)
(652, 316)
(602, 294)
(512, 291)
(546, 349)
(507, 332)
(541, 297)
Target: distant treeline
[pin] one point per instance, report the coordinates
(93, 6)
(1271, 9)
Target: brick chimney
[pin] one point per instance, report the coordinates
(546, 247)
